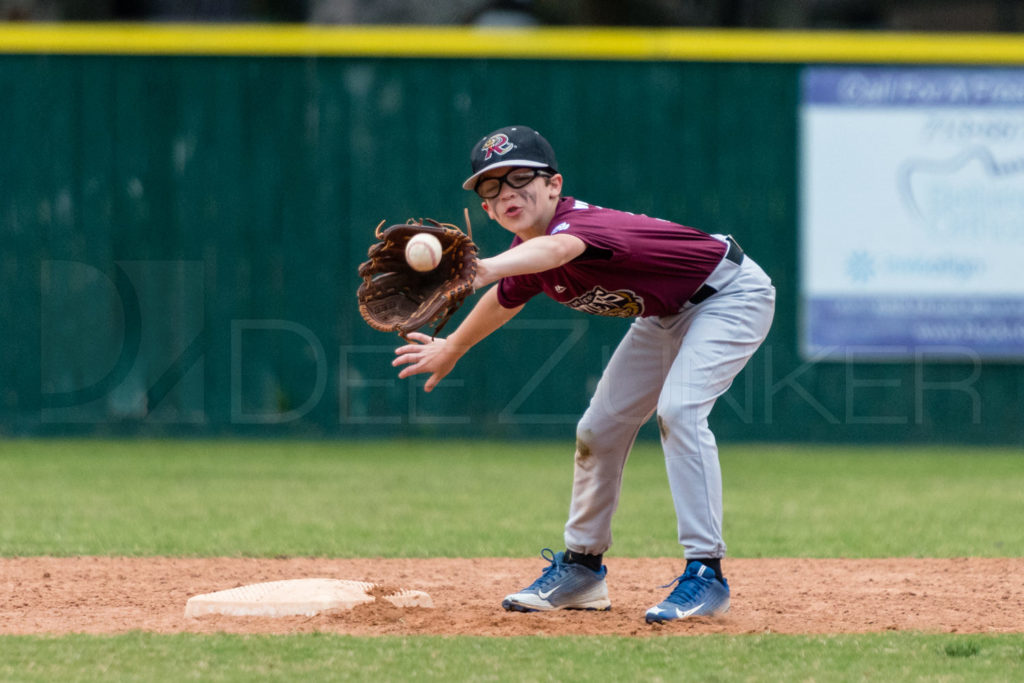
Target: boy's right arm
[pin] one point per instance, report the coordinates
(439, 356)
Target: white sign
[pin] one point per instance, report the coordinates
(912, 215)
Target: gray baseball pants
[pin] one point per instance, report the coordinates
(677, 366)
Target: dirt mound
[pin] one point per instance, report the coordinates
(116, 595)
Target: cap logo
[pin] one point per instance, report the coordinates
(496, 144)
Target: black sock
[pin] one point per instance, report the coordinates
(712, 563)
(592, 562)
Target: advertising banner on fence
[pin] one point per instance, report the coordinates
(912, 214)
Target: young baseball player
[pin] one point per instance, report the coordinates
(701, 308)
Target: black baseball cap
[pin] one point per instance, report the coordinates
(510, 146)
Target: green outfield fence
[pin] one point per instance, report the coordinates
(183, 208)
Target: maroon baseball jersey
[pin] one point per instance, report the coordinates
(634, 265)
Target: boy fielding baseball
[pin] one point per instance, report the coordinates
(701, 307)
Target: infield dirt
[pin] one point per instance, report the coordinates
(46, 595)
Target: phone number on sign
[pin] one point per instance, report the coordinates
(966, 129)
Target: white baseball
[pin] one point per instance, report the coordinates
(423, 252)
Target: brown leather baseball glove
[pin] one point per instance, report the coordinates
(395, 298)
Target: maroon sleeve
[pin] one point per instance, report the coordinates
(516, 290)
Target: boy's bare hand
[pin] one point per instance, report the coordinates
(429, 355)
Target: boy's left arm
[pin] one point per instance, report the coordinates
(532, 256)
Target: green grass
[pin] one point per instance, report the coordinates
(322, 657)
(435, 498)
(875, 502)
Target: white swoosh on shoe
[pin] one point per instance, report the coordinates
(544, 596)
(680, 614)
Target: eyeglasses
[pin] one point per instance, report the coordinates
(489, 188)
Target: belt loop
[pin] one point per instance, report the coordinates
(705, 292)
(735, 252)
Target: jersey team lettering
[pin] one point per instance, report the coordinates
(622, 303)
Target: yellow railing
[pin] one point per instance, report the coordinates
(533, 43)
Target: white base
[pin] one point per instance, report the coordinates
(296, 597)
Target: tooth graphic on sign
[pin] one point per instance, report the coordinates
(971, 195)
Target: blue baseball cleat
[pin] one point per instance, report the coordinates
(562, 586)
(698, 593)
